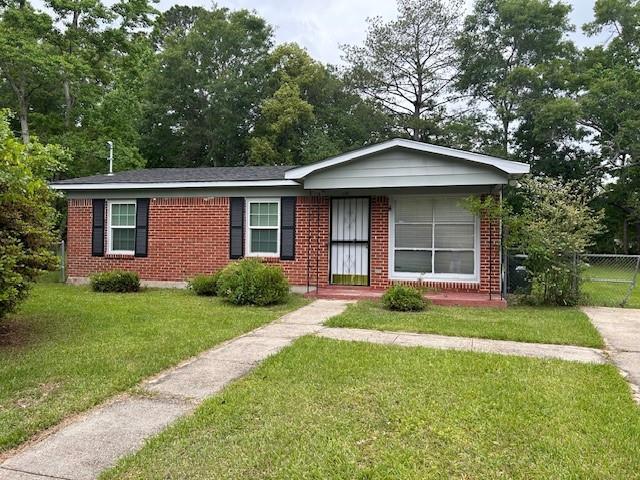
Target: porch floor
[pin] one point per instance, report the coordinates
(464, 299)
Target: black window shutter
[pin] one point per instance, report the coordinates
(236, 227)
(288, 228)
(97, 233)
(142, 227)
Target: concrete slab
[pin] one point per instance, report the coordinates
(316, 313)
(359, 335)
(199, 379)
(249, 349)
(561, 352)
(285, 330)
(620, 328)
(84, 448)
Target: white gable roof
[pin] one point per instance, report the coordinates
(506, 166)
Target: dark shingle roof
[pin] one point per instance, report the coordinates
(171, 175)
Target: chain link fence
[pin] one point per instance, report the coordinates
(609, 279)
(603, 279)
(58, 275)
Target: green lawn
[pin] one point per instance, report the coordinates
(69, 348)
(610, 294)
(323, 409)
(524, 324)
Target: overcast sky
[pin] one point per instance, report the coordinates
(321, 26)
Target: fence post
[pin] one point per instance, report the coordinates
(632, 285)
(575, 283)
(63, 261)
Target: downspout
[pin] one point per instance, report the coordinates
(317, 243)
(490, 258)
(309, 247)
(503, 284)
(491, 251)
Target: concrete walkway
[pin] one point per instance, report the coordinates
(96, 440)
(620, 328)
(503, 347)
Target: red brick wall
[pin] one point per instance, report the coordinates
(190, 235)
(380, 254)
(312, 241)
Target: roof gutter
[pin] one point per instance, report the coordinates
(163, 185)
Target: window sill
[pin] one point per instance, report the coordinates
(120, 255)
(434, 278)
(266, 258)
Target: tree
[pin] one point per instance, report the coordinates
(309, 112)
(407, 65)
(28, 61)
(503, 50)
(610, 107)
(107, 56)
(78, 42)
(554, 225)
(27, 217)
(204, 89)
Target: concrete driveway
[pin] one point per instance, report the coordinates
(620, 328)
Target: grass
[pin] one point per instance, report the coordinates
(323, 409)
(69, 348)
(524, 324)
(610, 294)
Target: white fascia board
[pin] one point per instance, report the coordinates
(148, 185)
(507, 166)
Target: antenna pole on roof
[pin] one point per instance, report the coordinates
(110, 158)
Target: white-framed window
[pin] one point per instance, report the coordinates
(433, 237)
(263, 227)
(121, 227)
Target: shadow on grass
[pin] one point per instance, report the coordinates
(15, 334)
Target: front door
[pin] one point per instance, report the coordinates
(350, 241)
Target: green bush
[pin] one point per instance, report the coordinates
(27, 213)
(205, 285)
(251, 282)
(404, 299)
(115, 281)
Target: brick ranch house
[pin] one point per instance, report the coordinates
(383, 214)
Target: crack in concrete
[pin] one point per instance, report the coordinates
(33, 474)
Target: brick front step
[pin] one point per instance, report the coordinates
(463, 299)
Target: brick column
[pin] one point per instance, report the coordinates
(379, 267)
(490, 275)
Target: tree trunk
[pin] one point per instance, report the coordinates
(66, 85)
(638, 238)
(24, 119)
(625, 237)
(505, 137)
(68, 101)
(416, 117)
